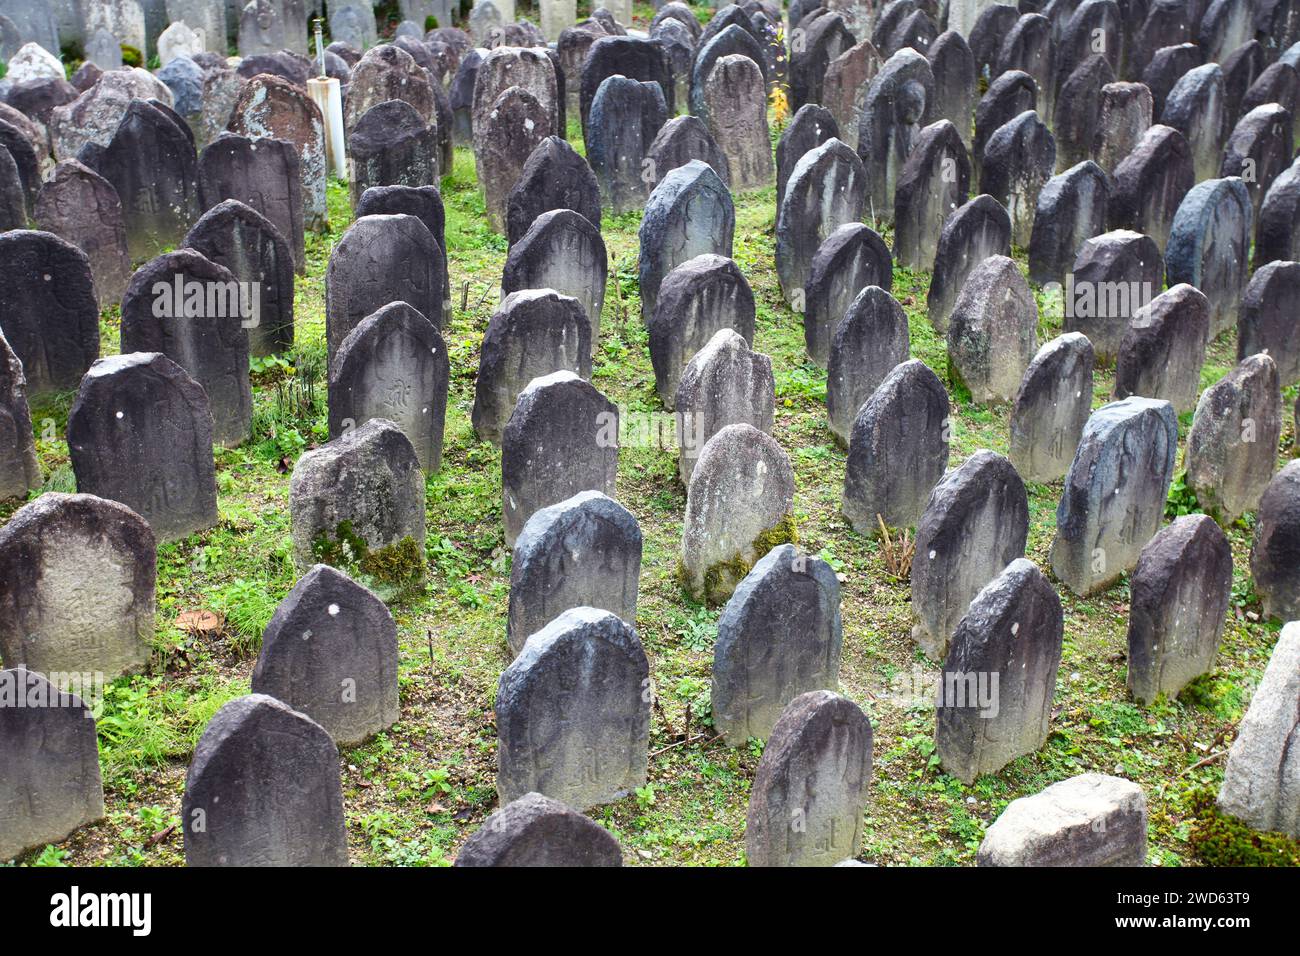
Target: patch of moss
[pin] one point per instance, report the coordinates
(1220, 840)
(721, 578)
(131, 56)
(399, 564)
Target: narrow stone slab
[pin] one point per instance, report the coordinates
(1163, 350)
(993, 331)
(1277, 539)
(725, 383)
(806, 805)
(1177, 607)
(1051, 408)
(999, 678)
(573, 712)
(264, 789)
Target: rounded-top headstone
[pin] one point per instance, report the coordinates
(537, 831)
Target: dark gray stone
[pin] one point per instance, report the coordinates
(537, 831)
(1072, 208)
(506, 134)
(51, 785)
(330, 653)
(933, 182)
(79, 205)
(1027, 48)
(779, 638)
(1232, 445)
(1267, 319)
(48, 311)
(811, 126)
(425, 204)
(1277, 236)
(979, 229)
(633, 57)
(1124, 117)
(1051, 408)
(689, 214)
(867, 343)
(827, 189)
(1167, 66)
(1177, 607)
(140, 432)
(393, 366)
(553, 177)
(391, 145)
(999, 677)
(239, 238)
(899, 104)
(1273, 565)
(381, 259)
(696, 300)
(814, 45)
(1077, 118)
(724, 383)
(1011, 94)
(19, 469)
(534, 332)
(194, 312)
(584, 551)
(1115, 492)
(151, 163)
(1018, 162)
(974, 525)
(731, 40)
(369, 478)
(573, 712)
(955, 92)
(383, 73)
(808, 798)
(562, 438)
(898, 450)
(1209, 246)
(261, 173)
(1116, 275)
(736, 99)
(78, 587)
(680, 140)
(852, 258)
(263, 789)
(563, 252)
(1197, 108)
(993, 24)
(1163, 350)
(1258, 150)
(1150, 184)
(625, 117)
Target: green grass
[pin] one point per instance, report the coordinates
(416, 792)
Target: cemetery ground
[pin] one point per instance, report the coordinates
(416, 792)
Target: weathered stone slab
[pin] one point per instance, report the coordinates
(1115, 492)
(778, 638)
(933, 182)
(1177, 607)
(626, 115)
(898, 450)
(533, 333)
(52, 324)
(393, 366)
(1163, 350)
(806, 805)
(51, 785)
(852, 258)
(19, 469)
(1072, 208)
(391, 145)
(263, 789)
(1277, 235)
(979, 229)
(504, 137)
(682, 139)
(563, 252)
(974, 525)
(999, 677)
(1258, 150)
(366, 484)
(1018, 162)
(1051, 408)
(689, 214)
(584, 551)
(735, 101)
(1260, 780)
(77, 593)
(194, 312)
(330, 653)
(1232, 445)
(1115, 277)
(573, 712)
(898, 105)
(868, 342)
(738, 506)
(553, 177)
(261, 173)
(1196, 107)
(562, 438)
(140, 432)
(1209, 246)
(827, 189)
(724, 383)
(993, 331)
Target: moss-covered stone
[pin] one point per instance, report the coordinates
(1220, 840)
(399, 564)
(721, 578)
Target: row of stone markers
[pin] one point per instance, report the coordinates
(141, 430)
